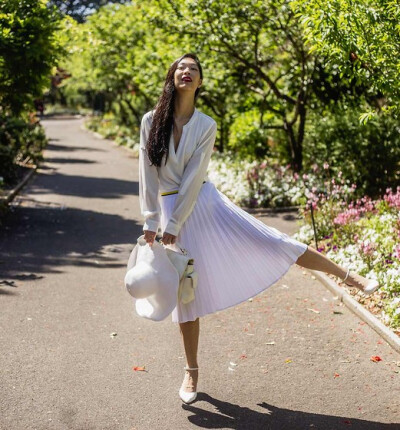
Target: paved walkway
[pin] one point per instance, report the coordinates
(292, 358)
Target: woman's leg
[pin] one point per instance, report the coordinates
(314, 260)
(190, 334)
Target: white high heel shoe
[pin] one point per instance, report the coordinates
(184, 395)
(371, 287)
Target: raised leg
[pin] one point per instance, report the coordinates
(312, 259)
(190, 334)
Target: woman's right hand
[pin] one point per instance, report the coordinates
(150, 236)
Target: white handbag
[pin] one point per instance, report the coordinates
(184, 265)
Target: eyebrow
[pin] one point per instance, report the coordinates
(184, 64)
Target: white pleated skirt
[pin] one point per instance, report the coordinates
(235, 255)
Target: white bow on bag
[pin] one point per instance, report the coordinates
(184, 264)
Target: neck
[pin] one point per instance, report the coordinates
(184, 106)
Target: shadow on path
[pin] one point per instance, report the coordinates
(233, 416)
(45, 240)
(84, 186)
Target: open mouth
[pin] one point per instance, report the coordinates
(187, 80)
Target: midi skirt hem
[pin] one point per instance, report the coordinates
(234, 253)
(241, 300)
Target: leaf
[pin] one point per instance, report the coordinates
(270, 343)
(336, 375)
(314, 310)
(288, 360)
(376, 358)
(138, 368)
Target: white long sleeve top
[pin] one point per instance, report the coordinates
(186, 169)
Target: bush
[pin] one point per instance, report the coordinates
(21, 142)
(367, 154)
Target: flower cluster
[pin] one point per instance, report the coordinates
(393, 199)
(255, 184)
(362, 234)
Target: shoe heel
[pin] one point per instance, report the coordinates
(185, 396)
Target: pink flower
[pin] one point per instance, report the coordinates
(392, 199)
(367, 247)
(326, 165)
(347, 216)
(396, 252)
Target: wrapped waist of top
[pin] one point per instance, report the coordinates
(167, 193)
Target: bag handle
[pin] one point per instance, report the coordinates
(178, 244)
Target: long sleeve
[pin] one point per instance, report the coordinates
(148, 183)
(192, 180)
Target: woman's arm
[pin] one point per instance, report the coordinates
(192, 180)
(148, 183)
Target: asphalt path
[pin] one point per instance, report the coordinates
(293, 357)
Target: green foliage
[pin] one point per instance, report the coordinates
(367, 154)
(262, 49)
(270, 89)
(28, 52)
(20, 142)
(361, 37)
(247, 138)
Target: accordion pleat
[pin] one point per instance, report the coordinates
(235, 255)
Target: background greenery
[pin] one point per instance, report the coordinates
(293, 81)
(305, 94)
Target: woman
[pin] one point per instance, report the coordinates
(236, 256)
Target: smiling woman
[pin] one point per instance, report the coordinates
(236, 256)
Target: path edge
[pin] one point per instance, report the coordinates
(392, 339)
(5, 200)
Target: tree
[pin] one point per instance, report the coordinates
(29, 50)
(361, 38)
(261, 45)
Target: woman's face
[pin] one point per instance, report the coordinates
(187, 75)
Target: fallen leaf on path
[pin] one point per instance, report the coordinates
(376, 358)
(288, 360)
(314, 310)
(338, 312)
(243, 356)
(136, 368)
(270, 343)
(336, 375)
(113, 334)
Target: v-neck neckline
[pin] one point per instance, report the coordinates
(183, 130)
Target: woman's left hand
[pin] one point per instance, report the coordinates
(168, 239)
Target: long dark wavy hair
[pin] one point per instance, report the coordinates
(161, 128)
